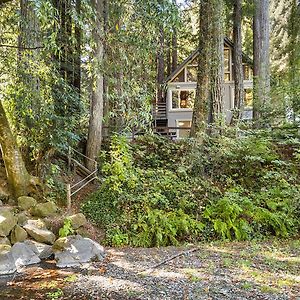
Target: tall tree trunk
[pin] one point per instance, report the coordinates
(174, 50)
(201, 105)
(96, 111)
(29, 38)
(217, 63)
(294, 58)
(238, 75)
(169, 56)
(106, 104)
(261, 37)
(174, 46)
(160, 65)
(77, 51)
(17, 175)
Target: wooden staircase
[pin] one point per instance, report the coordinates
(160, 114)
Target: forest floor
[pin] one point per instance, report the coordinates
(244, 270)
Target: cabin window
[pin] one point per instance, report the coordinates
(180, 77)
(183, 99)
(227, 65)
(184, 128)
(247, 72)
(248, 98)
(191, 72)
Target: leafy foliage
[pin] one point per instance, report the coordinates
(67, 228)
(157, 193)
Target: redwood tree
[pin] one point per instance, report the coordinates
(217, 63)
(200, 111)
(208, 107)
(96, 112)
(261, 38)
(238, 75)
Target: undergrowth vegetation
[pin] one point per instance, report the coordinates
(156, 192)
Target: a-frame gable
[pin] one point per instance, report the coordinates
(189, 59)
(194, 54)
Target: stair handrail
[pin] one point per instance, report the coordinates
(93, 175)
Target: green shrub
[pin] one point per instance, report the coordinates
(158, 193)
(67, 228)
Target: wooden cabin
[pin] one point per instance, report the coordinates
(174, 116)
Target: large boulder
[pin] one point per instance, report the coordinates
(37, 229)
(44, 209)
(23, 255)
(77, 220)
(25, 202)
(7, 221)
(72, 251)
(18, 234)
(43, 251)
(7, 262)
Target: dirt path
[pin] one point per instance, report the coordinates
(269, 270)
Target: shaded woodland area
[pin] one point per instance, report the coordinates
(89, 74)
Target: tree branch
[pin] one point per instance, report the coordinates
(20, 48)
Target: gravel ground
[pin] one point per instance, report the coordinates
(209, 271)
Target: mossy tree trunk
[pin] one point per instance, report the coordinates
(201, 106)
(96, 112)
(18, 178)
(216, 113)
(238, 75)
(261, 71)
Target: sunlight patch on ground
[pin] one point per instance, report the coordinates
(167, 274)
(220, 250)
(123, 264)
(267, 278)
(280, 256)
(113, 284)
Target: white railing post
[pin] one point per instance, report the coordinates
(69, 202)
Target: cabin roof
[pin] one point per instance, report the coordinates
(194, 54)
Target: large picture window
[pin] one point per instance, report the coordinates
(183, 99)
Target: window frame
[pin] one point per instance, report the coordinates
(178, 90)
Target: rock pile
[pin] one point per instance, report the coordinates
(25, 238)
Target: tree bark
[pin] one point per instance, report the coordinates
(17, 175)
(201, 105)
(169, 56)
(261, 37)
(106, 103)
(238, 75)
(217, 63)
(294, 58)
(160, 64)
(29, 37)
(174, 46)
(174, 50)
(77, 51)
(96, 112)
